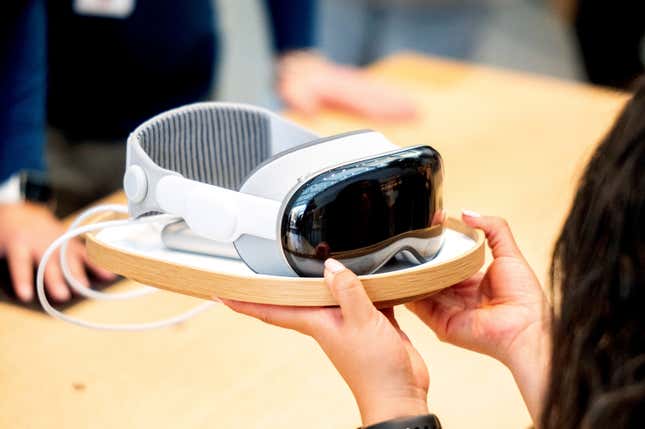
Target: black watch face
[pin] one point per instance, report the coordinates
(35, 187)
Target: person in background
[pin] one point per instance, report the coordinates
(578, 365)
(521, 34)
(101, 68)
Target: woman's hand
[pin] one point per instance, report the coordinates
(308, 82)
(385, 373)
(502, 313)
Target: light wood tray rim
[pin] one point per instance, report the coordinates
(384, 288)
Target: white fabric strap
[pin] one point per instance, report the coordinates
(218, 213)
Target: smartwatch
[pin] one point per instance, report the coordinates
(26, 185)
(428, 421)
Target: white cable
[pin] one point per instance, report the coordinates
(79, 287)
(42, 297)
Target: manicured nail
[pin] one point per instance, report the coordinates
(470, 213)
(334, 266)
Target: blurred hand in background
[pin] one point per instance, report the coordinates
(308, 82)
(26, 230)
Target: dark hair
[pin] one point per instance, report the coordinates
(598, 358)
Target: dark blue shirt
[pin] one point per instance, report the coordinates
(107, 75)
(22, 87)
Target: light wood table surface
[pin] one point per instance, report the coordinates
(513, 145)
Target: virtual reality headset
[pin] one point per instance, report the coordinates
(247, 181)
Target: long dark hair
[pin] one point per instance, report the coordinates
(598, 359)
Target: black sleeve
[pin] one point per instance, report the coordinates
(292, 23)
(611, 36)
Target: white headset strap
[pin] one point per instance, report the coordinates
(217, 213)
(213, 143)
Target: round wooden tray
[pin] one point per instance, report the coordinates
(207, 277)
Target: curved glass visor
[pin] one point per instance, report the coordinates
(366, 212)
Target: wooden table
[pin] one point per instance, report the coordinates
(513, 145)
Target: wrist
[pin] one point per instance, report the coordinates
(26, 186)
(529, 363)
(527, 348)
(25, 205)
(301, 61)
(378, 409)
(426, 421)
(305, 53)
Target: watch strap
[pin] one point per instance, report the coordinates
(26, 186)
(10, 190)
(428, 421)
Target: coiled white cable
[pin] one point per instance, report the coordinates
(80, 288)
(75, 231)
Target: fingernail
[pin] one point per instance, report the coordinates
(25, 293)
(334, 266)
(470, 213)
(62, 293)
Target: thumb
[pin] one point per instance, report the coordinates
(348, 290)
(498, 234)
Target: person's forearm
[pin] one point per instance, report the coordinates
(530, 365)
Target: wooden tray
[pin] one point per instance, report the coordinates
(137, 252)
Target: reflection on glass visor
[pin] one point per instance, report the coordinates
(366, 212)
